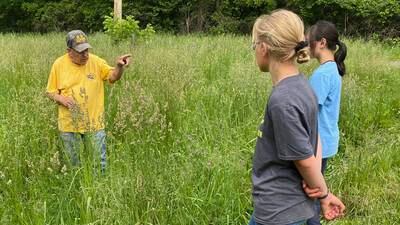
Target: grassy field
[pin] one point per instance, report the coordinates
(181, 128)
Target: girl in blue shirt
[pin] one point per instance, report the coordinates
(326, 81)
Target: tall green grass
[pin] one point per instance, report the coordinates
(181, 128)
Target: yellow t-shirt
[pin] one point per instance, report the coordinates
(85, 84)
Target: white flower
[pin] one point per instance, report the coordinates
(64, 169)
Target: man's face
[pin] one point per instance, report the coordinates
(79, 58)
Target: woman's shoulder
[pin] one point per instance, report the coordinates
(284, 96)
(295, 95)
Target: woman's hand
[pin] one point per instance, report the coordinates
(332, 207)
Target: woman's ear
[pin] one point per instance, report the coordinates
(264, 49)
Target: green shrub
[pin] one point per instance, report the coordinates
(126, 29)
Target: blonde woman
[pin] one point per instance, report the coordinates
(286, 149)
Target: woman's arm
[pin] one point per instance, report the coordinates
(310, 170)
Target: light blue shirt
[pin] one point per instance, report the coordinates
(327, 84)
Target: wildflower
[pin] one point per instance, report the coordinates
(55, 161)
(29, 163)
(170, 127)
(64, 169)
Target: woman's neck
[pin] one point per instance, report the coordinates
(282, 70)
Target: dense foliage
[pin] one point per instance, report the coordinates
(126, 29)
(354, 17)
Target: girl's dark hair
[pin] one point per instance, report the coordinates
(327, 30)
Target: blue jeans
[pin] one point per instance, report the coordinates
(74, 142)
(253, 222)
(315, 220)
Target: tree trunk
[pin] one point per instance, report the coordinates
(117, 9)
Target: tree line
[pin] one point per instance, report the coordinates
(352, 17)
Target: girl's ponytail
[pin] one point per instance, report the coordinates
(340, 56)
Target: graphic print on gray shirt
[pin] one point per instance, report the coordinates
(287, 133)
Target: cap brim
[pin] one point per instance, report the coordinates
(82, 47)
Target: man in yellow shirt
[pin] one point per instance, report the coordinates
(76, 83)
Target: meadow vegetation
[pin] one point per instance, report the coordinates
(181, 128)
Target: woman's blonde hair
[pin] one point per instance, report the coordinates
(283, 32)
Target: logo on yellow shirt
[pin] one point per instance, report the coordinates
(90, 76)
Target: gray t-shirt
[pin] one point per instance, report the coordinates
(287, 133)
